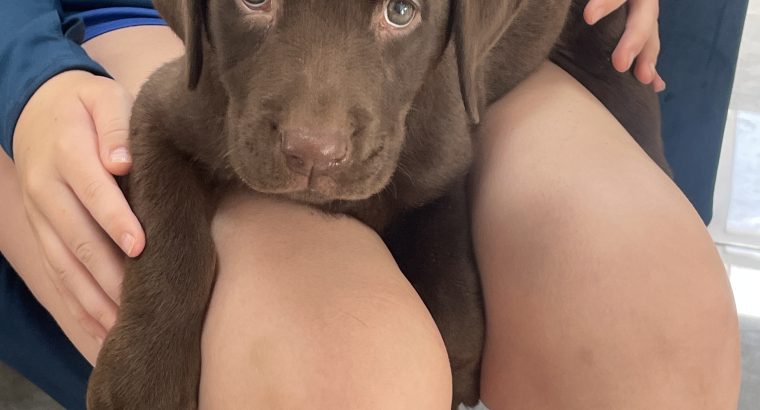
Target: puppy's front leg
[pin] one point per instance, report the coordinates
(433, 248)
(151, 358)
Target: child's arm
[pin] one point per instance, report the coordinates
(640, 41)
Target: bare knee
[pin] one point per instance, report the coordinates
(311, 312)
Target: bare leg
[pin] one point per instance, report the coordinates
(603, 289)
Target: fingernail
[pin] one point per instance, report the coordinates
(120, 155)
(127, 243)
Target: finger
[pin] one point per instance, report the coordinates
(84, 239)
(67, 273)
(646, 63)
(110, 106)
(97, 190)
(87, 322)
(642, 21)
(659, 84)
(598, 9)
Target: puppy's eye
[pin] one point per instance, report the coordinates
(400, 13)
(258, 5)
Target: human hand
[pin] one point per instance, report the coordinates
(640, 41)
(70, 139)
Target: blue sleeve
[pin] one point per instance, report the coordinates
(33, 48)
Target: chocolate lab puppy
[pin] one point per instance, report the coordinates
(365, 108)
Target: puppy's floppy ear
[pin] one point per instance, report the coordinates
(189, 20)
(477, 26)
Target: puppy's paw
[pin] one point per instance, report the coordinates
(139, 372)
(466, 378)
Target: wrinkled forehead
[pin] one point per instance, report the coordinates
(345, 15)
(316, 18)
(329, 10)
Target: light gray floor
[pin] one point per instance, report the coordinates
(736, 228)
(16, 393)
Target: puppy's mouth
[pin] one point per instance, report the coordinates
(317, 191)
(313, 188)
(352, 184)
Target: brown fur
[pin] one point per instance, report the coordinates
(213, 121)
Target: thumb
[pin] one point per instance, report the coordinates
(110, 106)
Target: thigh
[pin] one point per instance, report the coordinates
(602, 287)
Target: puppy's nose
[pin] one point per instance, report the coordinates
(307, 150)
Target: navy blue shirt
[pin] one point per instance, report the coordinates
(39, 39)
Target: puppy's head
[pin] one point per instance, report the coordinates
(319, 91)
